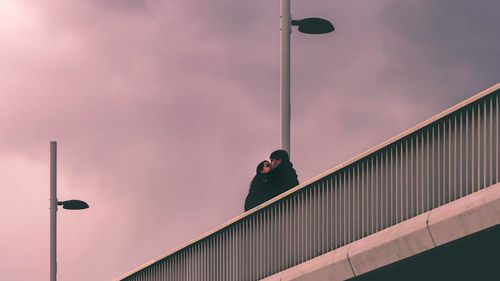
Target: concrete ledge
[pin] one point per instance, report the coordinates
(392, 244)
(274, 277)
(465, 216)
(331, 266)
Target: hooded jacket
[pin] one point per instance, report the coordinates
(282, 178)
(260, 191)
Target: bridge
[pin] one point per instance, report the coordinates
(417, 199)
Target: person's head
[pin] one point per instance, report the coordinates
(278, 157)
(263, 167)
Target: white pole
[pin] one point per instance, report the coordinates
(53, 210)
(286, 20)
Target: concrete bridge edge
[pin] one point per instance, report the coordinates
(460, 218)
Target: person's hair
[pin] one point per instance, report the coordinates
(260, 166)
(280, 155)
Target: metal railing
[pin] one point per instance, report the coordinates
(444, 158)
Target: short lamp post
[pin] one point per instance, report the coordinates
(308, 26)
(69, 205)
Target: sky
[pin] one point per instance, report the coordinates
(162, 110)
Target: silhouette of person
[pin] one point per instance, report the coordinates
(260, 188)
(282, 175)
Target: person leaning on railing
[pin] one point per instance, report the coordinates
(260, 188)
(282, 175)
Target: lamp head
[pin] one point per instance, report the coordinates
(314, 25)
(73, 204)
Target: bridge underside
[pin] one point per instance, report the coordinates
(475, 257)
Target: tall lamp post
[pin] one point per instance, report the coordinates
(70, 205)
(308, 26)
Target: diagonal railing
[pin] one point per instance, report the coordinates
(440, 160)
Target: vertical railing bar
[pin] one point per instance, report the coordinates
(417, 173)
(427, 174)
(254, 246)
(258, 244)
(334, 213)
(226, 258)
(342, 211)
(473, 150)
(433, 169)
(325, 216)
(444, 159)
(244, 254)
(315, 229)
(450, 144)
(172, 268)
(484, 140)
(177, 267)
(202, 259)
(264, 243)
(359, 203)
(232, 253)
(296, 221)
(352, 202)
(406, 185)
(300, 203)
(349, 204)
(274, 236)
(363, 201)
(322, 219)
(439, 162)
(187, 268)
(311, 224)
(198, 261)
(478, 147)
(217, 252)
(422, 173)
(497, 165)
(303, 226)
(397, 185)
(289, 229)
(377, 192)
(305, 238)
(237, 251)
(465, 150)
(359, 207)
(355, 194)
(339, 198)
(412, 178)
(371, 199)
(490, 153)
(390, 187)
(285, 234)
(461, 128)
(369, 195)
(387, 189)
(455, 152)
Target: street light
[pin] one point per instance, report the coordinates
(308, 26)
(69, 205)
(73, 205)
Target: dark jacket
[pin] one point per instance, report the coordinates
(260, 191)
(283, 178)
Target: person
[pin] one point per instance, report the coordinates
(282, 175)
(260, 188)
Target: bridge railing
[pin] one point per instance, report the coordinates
(442, 159)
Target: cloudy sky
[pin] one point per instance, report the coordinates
(162, 109)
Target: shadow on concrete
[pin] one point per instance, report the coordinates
(476, 257)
